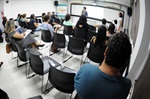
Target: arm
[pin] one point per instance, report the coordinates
(19, 36)
(96, 25)
(35, 24)
(120, 26)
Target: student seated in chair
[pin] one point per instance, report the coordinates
(111, 30)
(105, 81)
(46, 26)
(82, 23)
(34, 23)
(53, 19)
(26, 41)
(100, 38)
(67, 21)
(24, 18)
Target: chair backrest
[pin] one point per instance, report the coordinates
(59, 40)
(39, 21)
(63, 82)
(3, 94)
(36, 20)
(28, 25)
(12, 41)
(21, 23)
(92, 28)
(24, 24)
(46, 36)
(32, 27)
(68, 30)
(80, 33)
(21, 51)
(57, 20)
(96, 54)
(76, 46)
(90, 34)
(36, 63)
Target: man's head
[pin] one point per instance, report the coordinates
(120, 14)
(103, 21)
(118, 50)
(111, 28)
(84, 8)
(67, 17)
(46, 18)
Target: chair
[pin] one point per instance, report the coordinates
(36, 97)
(76, 46)
(24, 24)
(92, 28)
(68, 30)
(39, 65)
(60, 41)
(96, 54)
(14, 48)
(80, 33)
(3, 94)
(39, 21)
(46, 37)
(36, 20)
(28, 25)
(64, 81)
(90, 34)
(21, 23)
(32, 27)
(22, 55)
(57, 20)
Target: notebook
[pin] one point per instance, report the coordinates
(27, 32)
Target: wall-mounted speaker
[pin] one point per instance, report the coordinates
(56, 3)
(7, 1)
(129, 12)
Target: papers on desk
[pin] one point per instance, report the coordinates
(27, 32)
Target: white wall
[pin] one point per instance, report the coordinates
(142, 45)
(29, 7)
(1, 9)
(121, 2)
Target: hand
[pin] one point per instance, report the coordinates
(24, 34)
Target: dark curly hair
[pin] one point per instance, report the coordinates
(118, 50)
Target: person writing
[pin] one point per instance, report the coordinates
(84, 12)
(25, 41)
(105, 81)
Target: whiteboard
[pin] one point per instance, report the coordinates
(97, 12)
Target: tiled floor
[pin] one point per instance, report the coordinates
(13, 79)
